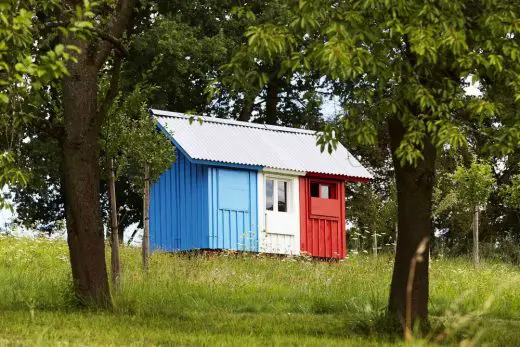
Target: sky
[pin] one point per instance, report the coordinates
(5, 215)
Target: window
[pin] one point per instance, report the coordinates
(276, 192)
(269, 195)
(323, 190)
(315, 190)
(282, 196)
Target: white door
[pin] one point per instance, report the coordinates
(281, 209)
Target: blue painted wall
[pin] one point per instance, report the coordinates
(194, 206)
(179, 207)
(233, 208)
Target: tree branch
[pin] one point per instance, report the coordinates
(103, 35)
(115, 30)
(113, 88)
(114, 41)
(53, 130)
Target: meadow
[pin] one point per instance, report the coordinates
(246, 299)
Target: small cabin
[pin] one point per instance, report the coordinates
(250, 187)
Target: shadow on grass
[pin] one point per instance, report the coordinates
(126, 326)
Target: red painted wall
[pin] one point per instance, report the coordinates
(322, 221)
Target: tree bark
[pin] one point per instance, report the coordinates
(146, 218)
(414, 196)
(80, 149)
(115, 260)
(476, 255)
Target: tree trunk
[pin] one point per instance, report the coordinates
(247, 108)
(146, 218)
(414, 197)
(115, 261)
(476, 256)
(271, 112)
(80, 150)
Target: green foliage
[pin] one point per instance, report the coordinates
(474, 184)
(408, 60)
(252, 63)
(30, 63)
(20, 29)
(178, 60)
(457, 192)
(262, 80)
(133, 140)
(511, 192)
(9, 175)
(371, 213)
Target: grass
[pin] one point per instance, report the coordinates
(245, 300)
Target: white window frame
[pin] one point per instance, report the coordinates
(288, 193)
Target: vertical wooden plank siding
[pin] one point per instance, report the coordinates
(323, 225)
(153, 210)
(178, 216)
(233, 209)
(304, 244)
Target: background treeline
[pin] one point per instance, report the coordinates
(179, 54)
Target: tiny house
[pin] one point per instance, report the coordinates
(250, 187)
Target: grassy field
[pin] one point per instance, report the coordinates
(246, 300)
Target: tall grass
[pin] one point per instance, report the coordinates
(244, 299)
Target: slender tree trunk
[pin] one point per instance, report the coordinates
(131, 238)
(122, 197)
(146, 218)
(414, 196)
(80, 150)
(476, 256)
(375, 243)
(120, 201)
(115, 261)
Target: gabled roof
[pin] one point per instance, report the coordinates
(251, 144)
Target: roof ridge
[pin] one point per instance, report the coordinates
(164, 113)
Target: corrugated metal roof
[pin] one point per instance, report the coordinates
(243, 143)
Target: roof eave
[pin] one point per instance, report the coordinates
(338, 177)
